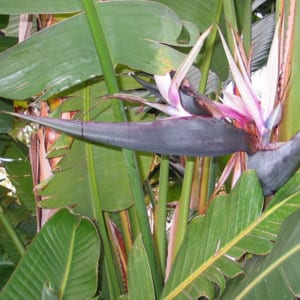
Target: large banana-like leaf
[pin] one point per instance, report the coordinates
(202, 13)
(62, 261)
(35, 6)
(232, 226)
(72, 184)
(140, 43)
(275, 276)
(139, 287)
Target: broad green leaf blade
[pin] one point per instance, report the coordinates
(285, 202)
(140, 285)
(202, 13)
(199, 12)
(255, 237)
(6, 268)
(64, 254)
(4, 19)
(277, 275)
(53, 69)
(71, 185)
(208, 238)
(15, 7)
(6, 123)
(7, 42)
(201, 286)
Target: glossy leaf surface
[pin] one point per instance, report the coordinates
(204, 244)
(238, 227)
(64, 254)
(140, 285)
(36, 6)
(56, 68)
(277, 275)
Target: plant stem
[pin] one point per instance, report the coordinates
(247, 26)
(120, 116)
(183, 210)
(112, 277)
(134, 224)
(12, 233)
(161, 213)
(184, 204)
(231, 21)
(204, 181)
(210, 43)
(150, 193)
(205, 66)
(125, 231)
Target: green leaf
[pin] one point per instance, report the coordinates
(71, 185)
(285, 202)
(140, 285)
(275, 276)
(11, 214)
(6, 268)
(15, 7)
(53, 69)
(65, 254)
(6, 122)
(7, 42)
(17, 226)
(227, 222)
(203, 14)
(199, 12)
(4, 19)
(17, 166)
(236, 228)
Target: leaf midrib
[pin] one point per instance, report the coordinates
(222, 251)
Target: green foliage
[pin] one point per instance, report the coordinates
(242, 248)
(75, 60)
(18, 169)
(279, 269)
(5, 41)
(232, 217)
(17, 227)
(139, 273)
(63, 256)
(109, 169)
(238, 228)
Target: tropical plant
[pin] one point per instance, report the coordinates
(80, 220)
